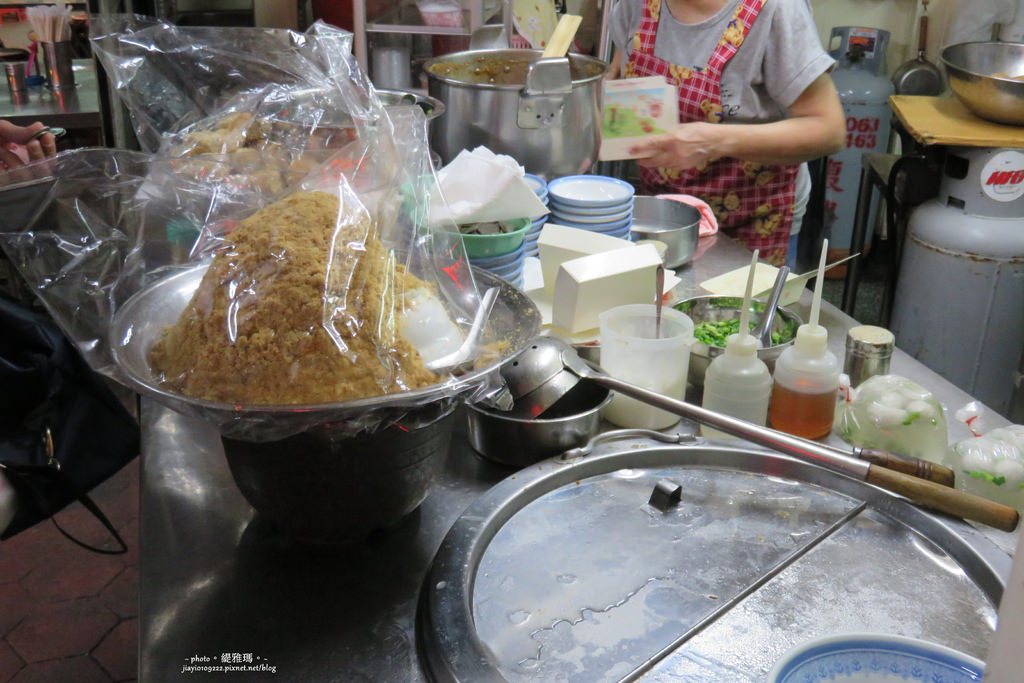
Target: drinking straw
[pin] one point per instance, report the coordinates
(747, 294)
(819, 279)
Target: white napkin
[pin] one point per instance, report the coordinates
(483, 186)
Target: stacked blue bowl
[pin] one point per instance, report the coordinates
(592, 202)
(506, 266)
(540, 188)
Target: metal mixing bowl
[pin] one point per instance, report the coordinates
(311, 469)
(666, 220)
(970, 68)
(569, 423)
(716, 308)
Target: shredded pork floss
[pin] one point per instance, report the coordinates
(254, 332)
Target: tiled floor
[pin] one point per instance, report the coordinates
(70, 615)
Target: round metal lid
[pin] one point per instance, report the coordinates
(637, 558)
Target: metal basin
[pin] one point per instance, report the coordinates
(484, 91)
(971, 69)
(571, 422)
(716, 308)
(666, 220)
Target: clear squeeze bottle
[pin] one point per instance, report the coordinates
(803, 401)
(737, 383)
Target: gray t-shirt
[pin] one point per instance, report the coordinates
(778, 59)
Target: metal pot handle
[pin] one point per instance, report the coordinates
(542, 101)
(620, 434)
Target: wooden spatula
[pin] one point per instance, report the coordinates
(562, 37)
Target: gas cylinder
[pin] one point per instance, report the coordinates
(864, 90)
(959, 301)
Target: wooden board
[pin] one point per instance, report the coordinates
(945, 121)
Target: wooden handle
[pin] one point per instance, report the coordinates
(561, 39)
(922, 34)
(943, 499)
(915, 467)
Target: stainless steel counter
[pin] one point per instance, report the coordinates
(216, 585)
(74, 109)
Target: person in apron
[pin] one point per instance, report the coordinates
(755, 65)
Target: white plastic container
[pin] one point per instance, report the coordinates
(631, 352)
(803, 401)
(737, 383)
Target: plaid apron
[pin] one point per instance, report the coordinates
(753, 202)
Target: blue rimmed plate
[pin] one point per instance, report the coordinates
(537, 184)
(597, 227)
(874, 658)
(589, 190)
(555, 205)
(558, 216)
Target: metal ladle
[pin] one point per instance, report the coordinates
(551, 360)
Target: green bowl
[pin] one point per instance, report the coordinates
(485, 246)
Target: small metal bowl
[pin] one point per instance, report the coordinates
(970, 68)
(716, 307)
(666, 220)
(569, 423)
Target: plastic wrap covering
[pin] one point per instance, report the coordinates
(893, 413)
(990, 463)
(170, 77)
(269, 266)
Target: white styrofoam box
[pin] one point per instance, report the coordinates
(588, 285)
(559, 243)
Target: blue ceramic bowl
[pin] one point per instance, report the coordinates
(589, 191)
(491, 262)
(874, 658)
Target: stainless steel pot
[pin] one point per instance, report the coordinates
(552, 131)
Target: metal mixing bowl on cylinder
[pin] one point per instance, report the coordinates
(988, 78)
(716, 309)
(666, 220)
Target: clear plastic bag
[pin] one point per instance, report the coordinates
(895, 414)
(276, 174)
(990, 463)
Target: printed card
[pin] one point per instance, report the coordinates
(635, 108)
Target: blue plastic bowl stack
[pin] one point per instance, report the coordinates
(540, 188)
(506, 266)
(592, 202)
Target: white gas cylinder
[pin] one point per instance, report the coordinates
(959, 302)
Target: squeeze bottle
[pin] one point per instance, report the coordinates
(737, 383)
(803, 401)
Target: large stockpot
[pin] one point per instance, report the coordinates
(552, 131)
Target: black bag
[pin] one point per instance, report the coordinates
(62, 430)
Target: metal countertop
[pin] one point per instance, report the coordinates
(216, 584)
(76, 108)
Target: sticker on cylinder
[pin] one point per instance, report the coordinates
(1002, 178)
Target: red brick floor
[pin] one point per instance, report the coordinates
(66, 613)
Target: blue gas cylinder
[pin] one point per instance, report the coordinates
(864, 90)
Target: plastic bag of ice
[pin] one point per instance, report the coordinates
(991, 463)
(895, 414)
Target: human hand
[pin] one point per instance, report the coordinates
(20, 145)
(689, 145)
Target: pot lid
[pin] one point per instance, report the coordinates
(636, 558)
